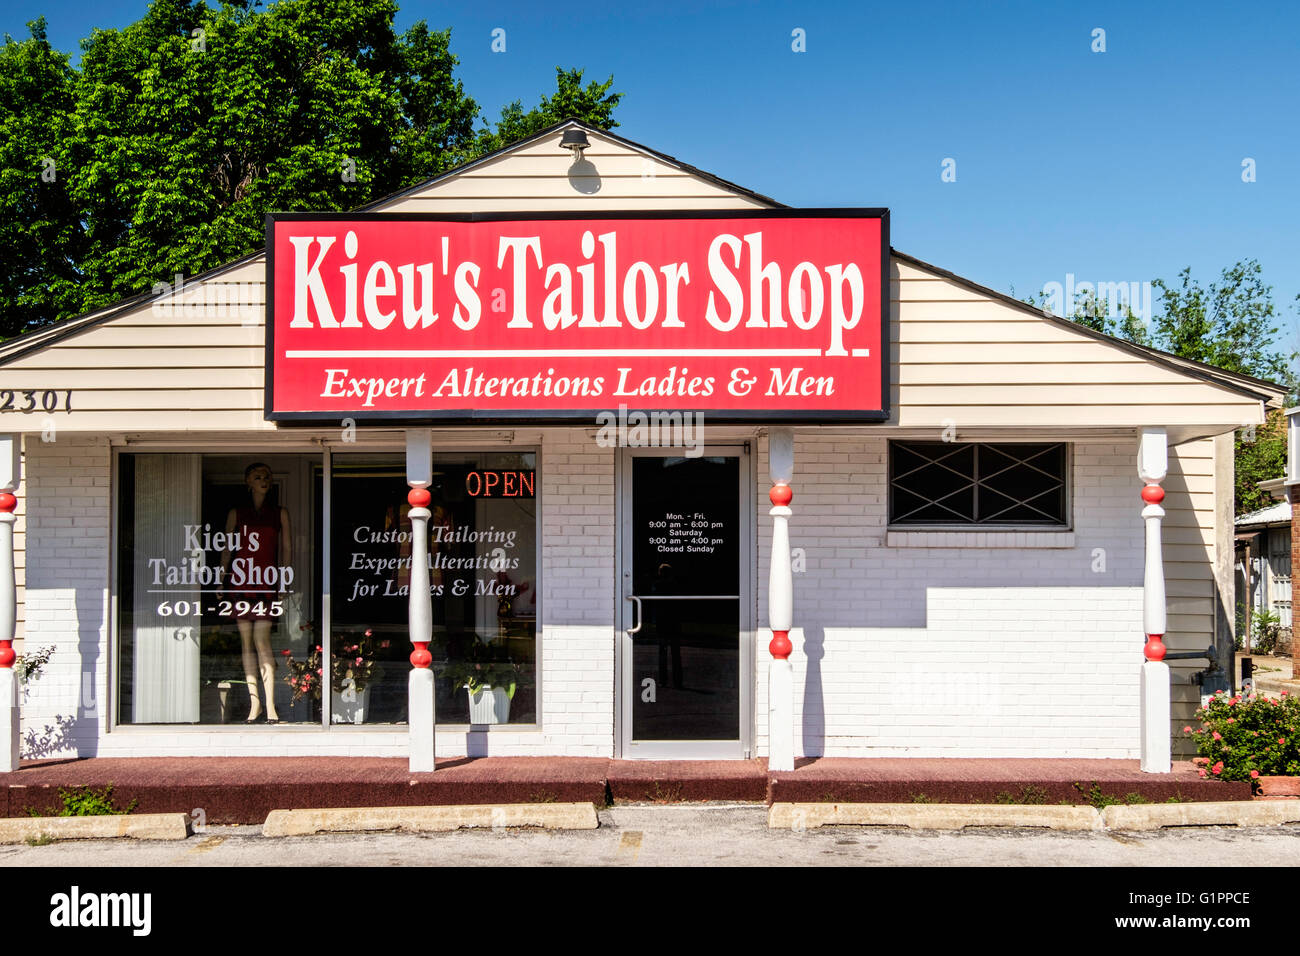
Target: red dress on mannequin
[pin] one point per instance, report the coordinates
(265, 524)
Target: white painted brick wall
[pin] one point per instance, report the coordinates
(993, 651)
(955, 650)
(68, 504)
(67, 606)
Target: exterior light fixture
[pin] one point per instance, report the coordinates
(574, 140)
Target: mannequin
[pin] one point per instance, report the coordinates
(264, 541)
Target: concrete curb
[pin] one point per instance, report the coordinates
(546, 816)
(1257, 813)
(143, 826)
(930, 816)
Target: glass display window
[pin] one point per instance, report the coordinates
(273, 588)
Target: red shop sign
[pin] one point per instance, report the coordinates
(772, 315)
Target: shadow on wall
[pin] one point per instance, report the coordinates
(814, 703)
(584, 178)
(78, 734)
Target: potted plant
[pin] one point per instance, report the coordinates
(490, 677)
(352, 670)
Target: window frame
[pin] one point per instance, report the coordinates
(326, 452)
(975, 527)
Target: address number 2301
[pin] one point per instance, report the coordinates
(36, 399)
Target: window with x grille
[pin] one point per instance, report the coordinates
(947, 483)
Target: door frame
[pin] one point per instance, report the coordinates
(624, 685)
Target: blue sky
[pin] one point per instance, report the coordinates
(1115, 166)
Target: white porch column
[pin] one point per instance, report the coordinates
(10, 457)
(780, 604)
(1153, 465)
(420, 687)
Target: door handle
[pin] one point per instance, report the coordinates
(637, 602)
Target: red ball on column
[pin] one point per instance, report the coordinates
(7, 501)
(419, 497)
(780, 647)
(7, 654)
(1153, 494)
(1155, 648)
(420, 657)
(780, 495)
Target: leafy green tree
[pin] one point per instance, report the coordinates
(1098, 314)
(1231, 323)
(1260, 456)
(40, 232)
(592, 102)
(178, 133)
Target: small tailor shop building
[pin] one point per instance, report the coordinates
(579, 450)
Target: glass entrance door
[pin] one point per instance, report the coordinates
(685, 576)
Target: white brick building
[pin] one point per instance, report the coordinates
(955, 637)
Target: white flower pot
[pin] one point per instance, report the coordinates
(491, 705)
(349, 711)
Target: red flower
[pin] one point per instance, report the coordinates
(317, 648)
(286, 652)
(1217, 735)
(1254, 774)
(1202, 772)
(368, 632)
(1187, 730)
(1217, 768)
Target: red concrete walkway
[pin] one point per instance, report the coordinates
(245, 789)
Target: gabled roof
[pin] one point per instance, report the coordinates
(559, 127)
(1268, 392)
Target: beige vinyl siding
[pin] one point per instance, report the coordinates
(178, 365)
(20, 552)
(957, 355)
(972, 361)
(1189, 546)
(537, 178)
(962, 358)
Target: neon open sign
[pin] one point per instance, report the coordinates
(500, 483)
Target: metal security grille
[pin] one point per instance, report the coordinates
(946, 483)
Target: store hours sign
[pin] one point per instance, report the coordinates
(773, 315)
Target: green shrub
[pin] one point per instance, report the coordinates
(85, 802)
(1244, 738)
(1266, 626)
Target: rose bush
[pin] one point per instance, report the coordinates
(1243, 738)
